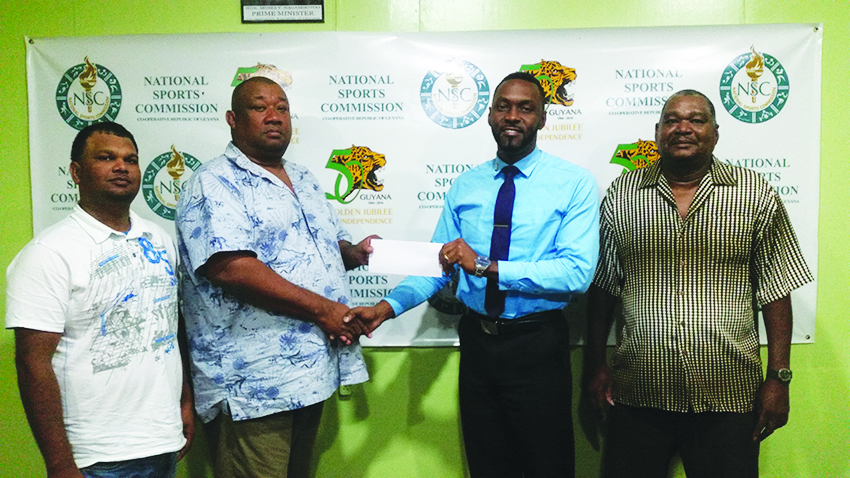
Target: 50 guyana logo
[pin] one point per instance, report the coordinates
(88, 93)
(754, 87)
(636, 155)
(164, 179)
(281, 77)
(357, 167)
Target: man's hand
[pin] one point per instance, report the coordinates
(66, 473)
(187, 414)
(356, 255)
(458, 252)
(372, 317)
(772, 408)
(187, 397)
(336, 321)
(599, 391)
(772, 398)
(243, 275)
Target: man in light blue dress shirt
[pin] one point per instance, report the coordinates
(515, 379)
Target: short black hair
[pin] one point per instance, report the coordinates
(107, 127)
(235, 97)
(521, 75)
(693, 93)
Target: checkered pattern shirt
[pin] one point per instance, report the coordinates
(689, 341)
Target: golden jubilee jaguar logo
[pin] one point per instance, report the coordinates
(358, 166)
(555, 78)
(636, 155)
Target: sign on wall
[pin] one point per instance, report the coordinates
(388, 121)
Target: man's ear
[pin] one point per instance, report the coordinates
(74, 169)
(230, 117)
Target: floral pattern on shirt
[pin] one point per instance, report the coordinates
(253, 361)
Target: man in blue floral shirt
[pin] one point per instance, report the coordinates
(263, 261)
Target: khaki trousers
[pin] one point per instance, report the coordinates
(278, 445)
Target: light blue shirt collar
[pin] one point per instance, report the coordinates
(525, 165)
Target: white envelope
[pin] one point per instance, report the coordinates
(405, 258)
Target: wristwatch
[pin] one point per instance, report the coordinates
(783, 375)
(481, 265)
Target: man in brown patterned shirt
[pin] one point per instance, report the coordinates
(689, 244)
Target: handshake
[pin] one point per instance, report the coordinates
(348, 325)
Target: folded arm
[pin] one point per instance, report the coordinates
(247, 278)
(571, 264)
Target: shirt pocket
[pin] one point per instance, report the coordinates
(727, 239)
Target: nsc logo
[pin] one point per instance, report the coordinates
(88, 93)
(455, 95)
(754, 87)
(164, 179)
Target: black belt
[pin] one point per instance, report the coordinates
(520, 325)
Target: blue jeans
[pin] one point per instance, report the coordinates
(159, 466)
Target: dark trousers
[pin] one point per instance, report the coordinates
(515, 401)
(641, 441)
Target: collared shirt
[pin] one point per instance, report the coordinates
(113, 298)
(554, 236)
(689, 340)
(248, 361)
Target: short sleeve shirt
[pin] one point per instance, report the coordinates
(113, 298)
(689, 340)
(246, 360)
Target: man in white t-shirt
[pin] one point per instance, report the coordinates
(93, 303)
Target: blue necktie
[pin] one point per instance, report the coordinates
(500, 243)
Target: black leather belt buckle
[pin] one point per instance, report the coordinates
(489, 328)
(516, 326)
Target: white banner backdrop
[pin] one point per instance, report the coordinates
(387, 121)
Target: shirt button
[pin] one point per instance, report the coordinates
(680, 292)
(682, 263)
(682, 323)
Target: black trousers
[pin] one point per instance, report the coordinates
(515, 401)
(641, 441)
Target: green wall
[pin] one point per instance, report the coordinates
(405, 422)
